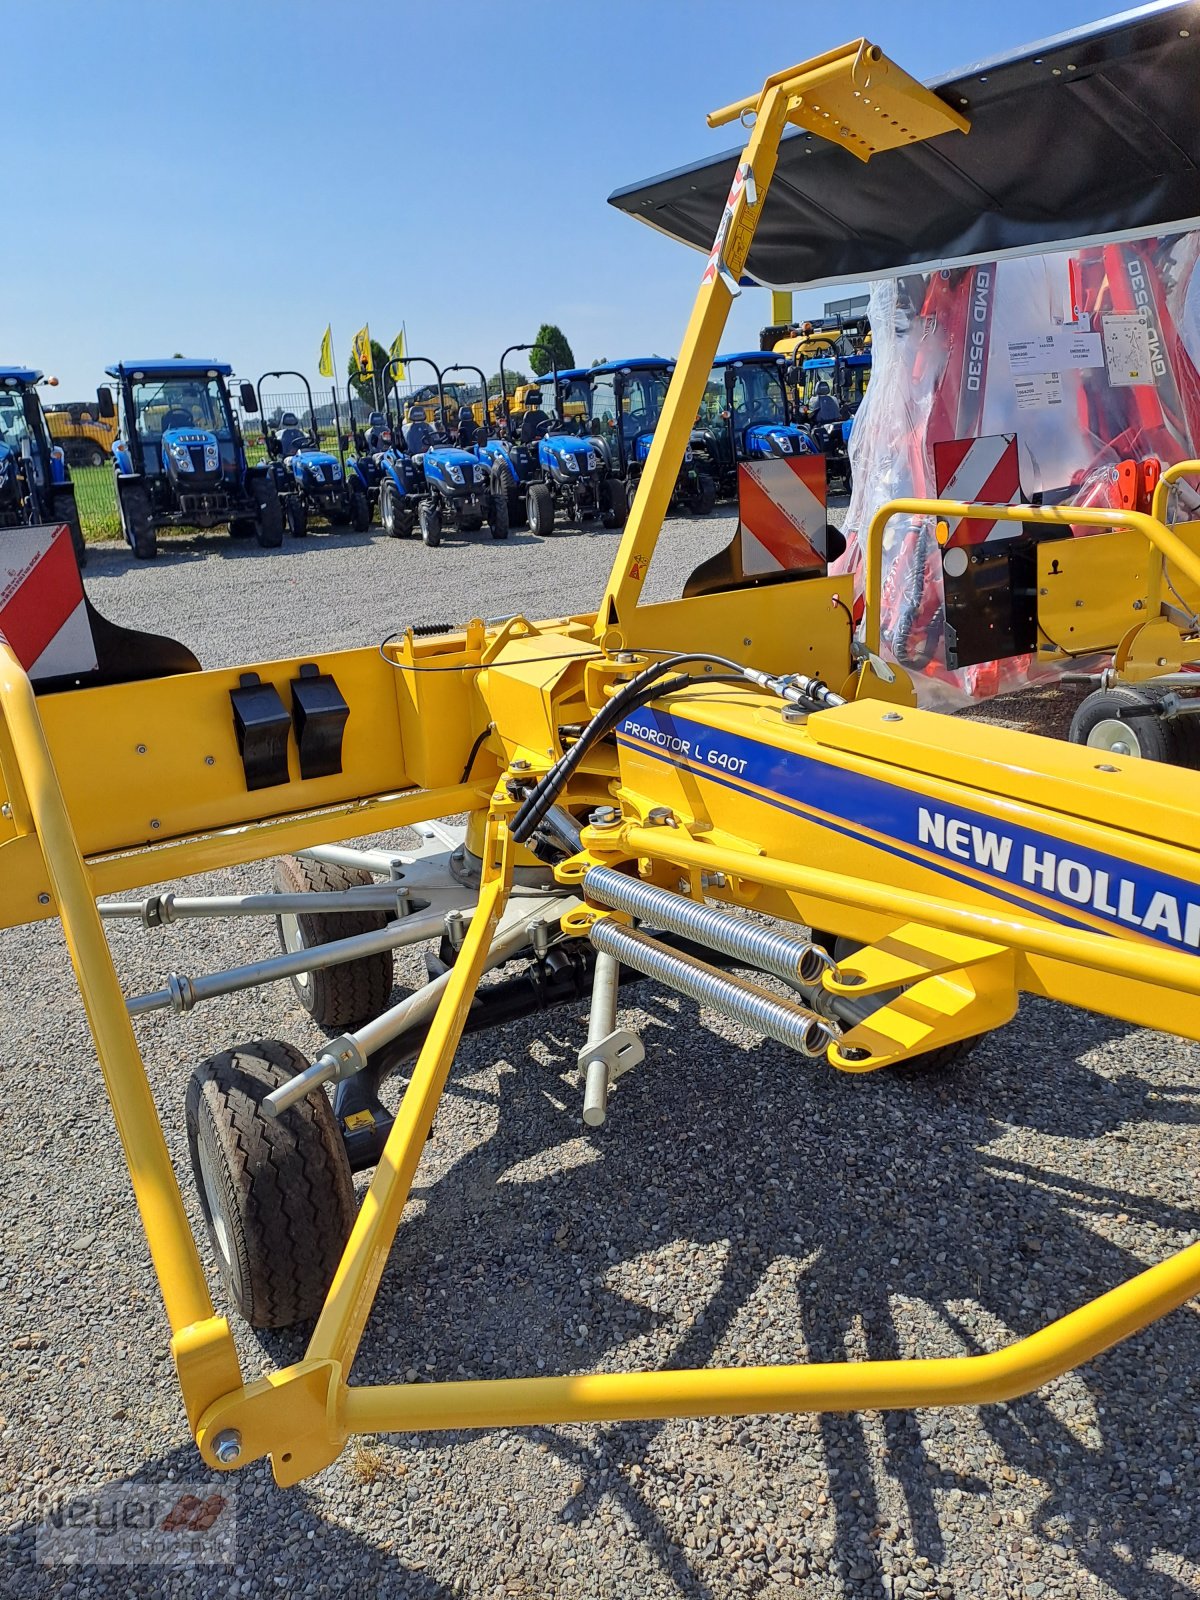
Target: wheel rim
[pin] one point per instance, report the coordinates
(293, 939)
(1115, 736)
(388, 514)
(214, 1200)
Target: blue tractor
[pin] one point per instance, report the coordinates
(434, 477)
(180, 458)
(618, 404)
(746, 417)
(311, 481)
(831, 389)
(35, 486)
(550, 468)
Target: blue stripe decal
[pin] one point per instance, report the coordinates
(1127, 896)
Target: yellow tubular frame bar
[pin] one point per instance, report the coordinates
(302, 1415)
(172, 1247)
(1169, 546)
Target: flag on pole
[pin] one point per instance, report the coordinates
(397, 353)
(325, 365)
(362, 352)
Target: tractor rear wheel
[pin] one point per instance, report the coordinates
(297, 517)
(1103, 721)
(498, 516)
(136, 521)
(356, 991)
(277, 1192)
(541, 510)
(430, 517)
(614, 502)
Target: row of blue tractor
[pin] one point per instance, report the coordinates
(35, 482)
(180, 456)
(436, 472)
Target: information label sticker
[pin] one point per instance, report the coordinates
(1066, 350)
(1039, 389)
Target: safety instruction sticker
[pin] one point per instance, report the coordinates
(1063, 349)
(1127, 349)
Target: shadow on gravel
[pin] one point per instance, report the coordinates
(906, 1235)
(334, 1561)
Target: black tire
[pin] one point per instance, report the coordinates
(389, 508)
(945, 1056)
(703, 497)
(357, 991)
(614, 502)
(242, 528)
(1099, 725)
(297, 517)
(67, 510)
(498, 516)
(277, 1193)
(136, 521)
(541, 510)
(268, 530)
(360, 510)
(429, 516)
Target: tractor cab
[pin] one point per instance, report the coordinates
(35, 486)
(746, 416)
(622, 402)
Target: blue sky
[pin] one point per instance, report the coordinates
(223, 179)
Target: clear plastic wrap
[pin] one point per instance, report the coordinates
(1090, 358)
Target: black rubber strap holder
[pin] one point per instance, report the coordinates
(262, 723)
(319, 712)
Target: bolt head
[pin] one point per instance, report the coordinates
(43, 899)
(210, 761)
(519, 766)
(141, 749)
(892, 716)
(227, 1446)
(155, 823)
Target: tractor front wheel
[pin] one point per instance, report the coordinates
(268, 530)
(430, 517)
(614, 502)
(498, 516)
(277, 1192)
(360, 510)
(297, 517)
(703, 496)
(137, 522)
(541, 510)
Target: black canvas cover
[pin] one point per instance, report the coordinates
(1089, 135)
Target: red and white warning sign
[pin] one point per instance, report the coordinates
(981, 472)
(783, 518)
(42, 611)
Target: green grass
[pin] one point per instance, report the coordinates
(96, 497)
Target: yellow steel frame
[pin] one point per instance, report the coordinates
(966, 958)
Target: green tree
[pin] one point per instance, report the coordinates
(363, 385)
(550, 349)
(600, 361)
(513, 377)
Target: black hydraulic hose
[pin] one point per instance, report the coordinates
(645, 685)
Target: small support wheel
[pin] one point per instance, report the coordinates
(356, 991)
(1125, 721)
(277, 1193)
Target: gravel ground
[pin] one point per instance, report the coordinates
(738, 1207)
